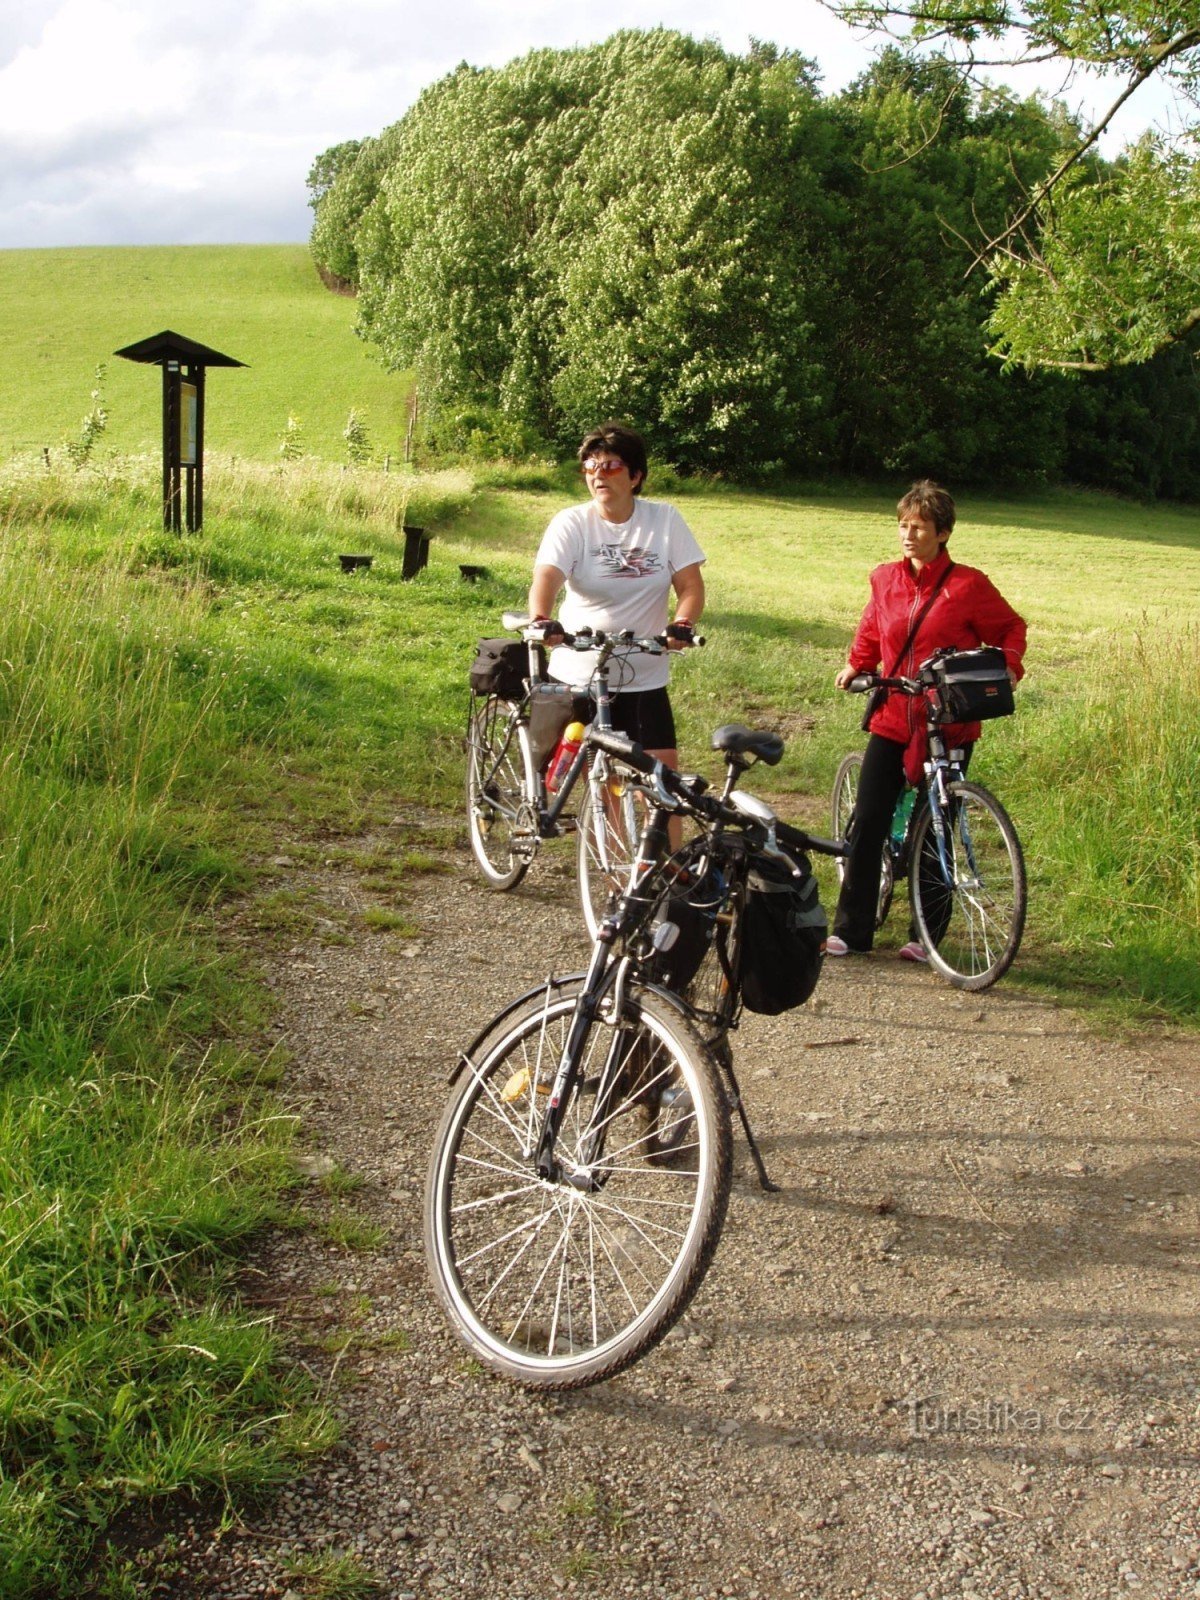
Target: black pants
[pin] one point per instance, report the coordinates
(880, 781)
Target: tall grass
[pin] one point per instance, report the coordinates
(131, 1159)
(1108, 794)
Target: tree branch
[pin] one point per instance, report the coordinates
(1174, 47)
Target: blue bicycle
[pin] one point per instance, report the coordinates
(954, 842)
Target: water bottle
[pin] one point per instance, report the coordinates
(564, 753)
(904, 810)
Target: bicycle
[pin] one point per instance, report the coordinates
(956, 844)
(509, 809)
(582, 1167)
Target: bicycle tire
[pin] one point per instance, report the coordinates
(973, 932)
(610, 824)
(500, 776)
(845, 795)
(557, 1286)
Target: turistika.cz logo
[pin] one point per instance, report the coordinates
(934, 1415)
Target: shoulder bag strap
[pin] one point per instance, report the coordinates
(919, 619)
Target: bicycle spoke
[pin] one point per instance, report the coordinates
(971, 917)
(560, 1280)
(500, 782)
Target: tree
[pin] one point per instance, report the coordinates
(755, 275)
(1098, 265)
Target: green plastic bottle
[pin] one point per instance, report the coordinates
(904, 810)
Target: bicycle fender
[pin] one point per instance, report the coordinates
(550, 986)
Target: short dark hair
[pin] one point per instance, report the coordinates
(929, 499)
(620, 441)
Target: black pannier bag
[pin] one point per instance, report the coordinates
(500, 666)
(693, 907)
(550, 710)
(783, 936)
(973, 685)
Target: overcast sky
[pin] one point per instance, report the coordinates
(155, 122)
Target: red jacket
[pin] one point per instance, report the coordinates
(969, 611)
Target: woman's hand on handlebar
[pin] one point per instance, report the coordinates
(845, 677)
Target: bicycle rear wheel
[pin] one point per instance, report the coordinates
(611, 815)
(499, 777)
(845, 796)
(560, 1283)
(970, 926)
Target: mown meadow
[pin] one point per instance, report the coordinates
(64, 312)
(177, 708)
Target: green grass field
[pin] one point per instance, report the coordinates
(64, 311)
(174, 707)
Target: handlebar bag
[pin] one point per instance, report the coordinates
(500, 666)
(973, 685)
(783, 936)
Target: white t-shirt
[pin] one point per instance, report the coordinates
(618, 576)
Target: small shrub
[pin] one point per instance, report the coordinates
(291, 440)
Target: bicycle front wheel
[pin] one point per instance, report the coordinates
(845, 797)
(611, 816)
(500, 776)
(971, 924)
(561, 1282)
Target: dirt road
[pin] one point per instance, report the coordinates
(955, 1356)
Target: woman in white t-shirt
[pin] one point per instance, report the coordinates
(620, 557)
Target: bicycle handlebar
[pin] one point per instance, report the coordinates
(671, 787)
(864, 682)
(593, 638)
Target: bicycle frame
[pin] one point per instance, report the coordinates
(609, 971)
(941, 770)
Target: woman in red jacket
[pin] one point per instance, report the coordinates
(967, 611)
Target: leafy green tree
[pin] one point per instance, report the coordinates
(1097, 266)
(342, 182)
(758, 276)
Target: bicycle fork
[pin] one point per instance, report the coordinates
(600, 978)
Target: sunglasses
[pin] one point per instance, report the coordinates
(605, 468)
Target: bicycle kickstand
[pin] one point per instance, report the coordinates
(765, 1181)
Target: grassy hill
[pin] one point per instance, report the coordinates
(64, 311)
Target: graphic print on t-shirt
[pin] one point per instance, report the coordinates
(636, 563)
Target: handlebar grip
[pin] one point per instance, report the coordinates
(633, 755)
(863, 682)
(622, 746)
(798, 839)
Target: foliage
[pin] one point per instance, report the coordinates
(770, 279)
(94, 425)
(358, 443)
(1100, 265)
(1115, 275)
(342, 182)
(291, 440)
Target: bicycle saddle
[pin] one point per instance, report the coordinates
(738, 740)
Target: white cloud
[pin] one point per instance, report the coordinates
(151, 121)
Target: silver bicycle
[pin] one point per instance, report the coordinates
(510, 810)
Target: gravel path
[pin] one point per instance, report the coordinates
(955, 1356)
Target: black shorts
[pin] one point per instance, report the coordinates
(644, 714)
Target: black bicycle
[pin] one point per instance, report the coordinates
(582, 1167)
(955, 843)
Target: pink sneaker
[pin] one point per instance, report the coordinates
(913, 951)
(835, 946)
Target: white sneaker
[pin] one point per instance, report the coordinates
(912, 951)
